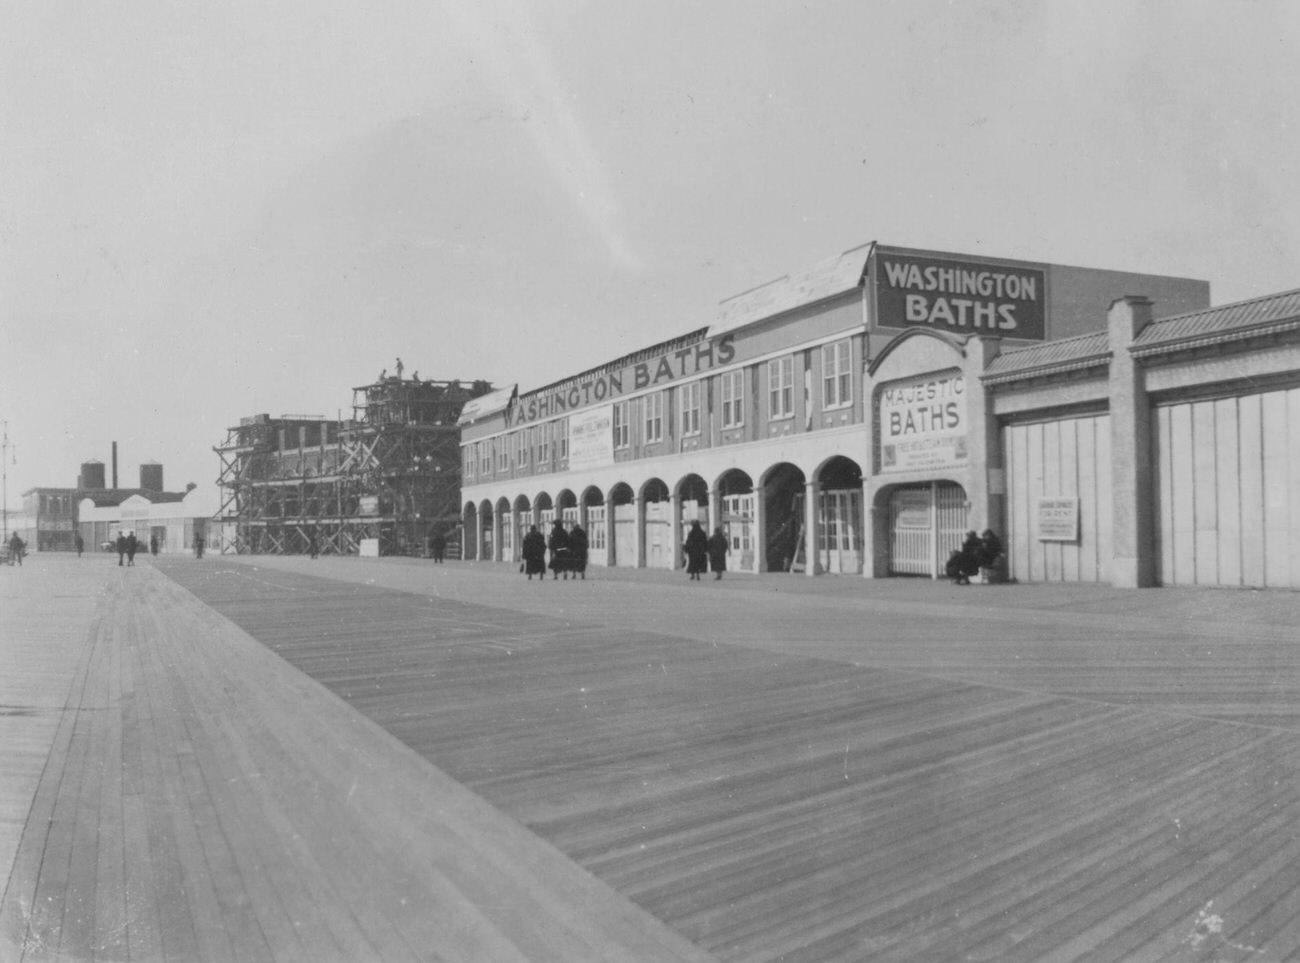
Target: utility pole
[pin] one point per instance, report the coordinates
(4, 475)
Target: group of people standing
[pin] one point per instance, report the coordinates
(568, 550)
(705, 552)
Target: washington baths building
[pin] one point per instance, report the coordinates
(859, 417)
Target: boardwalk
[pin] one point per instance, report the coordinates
(280, 759)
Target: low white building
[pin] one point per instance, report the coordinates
(173, 519)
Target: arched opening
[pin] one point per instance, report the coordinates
(839, 517)
(469, 541)
(783, 513)
(595, 520)
(920, 526)
(657, 535)
(505, 530)
(523, 520)
(487, 543)
(566, 504)
(738, 514)
(544, 511)
(622, 533)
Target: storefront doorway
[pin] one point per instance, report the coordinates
(926, 524)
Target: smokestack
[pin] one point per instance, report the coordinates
(114, 466)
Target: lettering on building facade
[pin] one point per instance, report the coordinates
(572, 395)
(921, 423)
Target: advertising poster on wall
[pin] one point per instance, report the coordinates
(922, 423)
(591, 438)
(1058, 519)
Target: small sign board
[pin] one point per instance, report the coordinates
(1058, 519)
(369, 548)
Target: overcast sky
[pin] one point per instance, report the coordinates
(211, 209)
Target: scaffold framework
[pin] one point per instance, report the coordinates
(303, 484)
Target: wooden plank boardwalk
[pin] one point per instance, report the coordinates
(781, 770)
(198, 799)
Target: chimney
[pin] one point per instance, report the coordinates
(115, 466)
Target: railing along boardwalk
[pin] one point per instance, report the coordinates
(201, 800)
(848, 772)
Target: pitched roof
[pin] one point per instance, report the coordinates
(1067, 354)
(825, 279)
(1236, 321)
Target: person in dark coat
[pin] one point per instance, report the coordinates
(578, 552)
(198, 545)
(120, 545)
(153, 544)
(132, 546)
(534, 552)
(559, 546)
(438, 546)
(965, 561)
(696, 547)
(17, 549)
(80, 543)
(719, 546)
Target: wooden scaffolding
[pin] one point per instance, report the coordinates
(392, 473)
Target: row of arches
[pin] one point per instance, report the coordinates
(782, 519)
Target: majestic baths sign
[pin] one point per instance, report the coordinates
(963, 297)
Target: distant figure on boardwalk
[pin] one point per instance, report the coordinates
(79, 542)
(198, 545)
(559, 546)
(313, 546)
(153, 544)
(578, 551)
(438, 546)
(697, 551)
(534, 551)
(719, 546)
(120, 545)
(17, 548)
(132, 546)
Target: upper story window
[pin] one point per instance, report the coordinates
(733, 397)
(654, 417)
(485, 457)
(544, 444)
(562, 429)
(690, 395)
(837, 379)
(525, 440)
(503, 455)
(780, 388)
(467, 465)
(621, 438)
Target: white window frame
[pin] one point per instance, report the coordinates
(485, 458)
(780, 388)
(733, 398)
(653, 411)
(691, 394)
(837, 374)
(622, 437)
(525, 444)
(503, 455)
(562, 429)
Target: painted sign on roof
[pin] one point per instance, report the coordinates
(961, 297)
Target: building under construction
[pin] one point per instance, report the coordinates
(389, 476)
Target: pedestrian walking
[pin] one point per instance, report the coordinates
(558, 543)
(313, 547)
(17, 549)
(153, 544)
(198, 545)
(578, 552)
(438, 546)
(132, 546)
(696, 547)
(534, 552)
(719, 546)
(79, 542)
(120, 545)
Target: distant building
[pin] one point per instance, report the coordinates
(172, 518)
